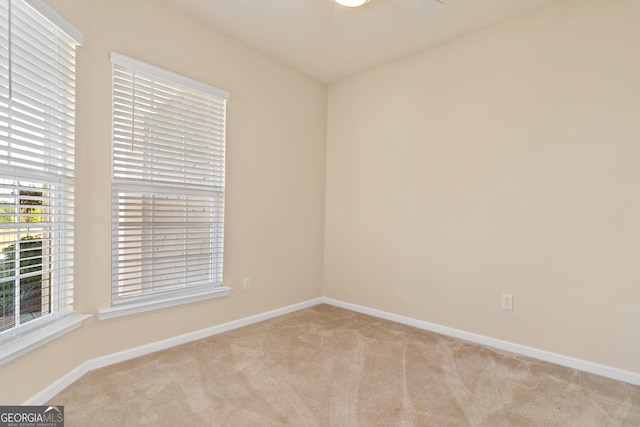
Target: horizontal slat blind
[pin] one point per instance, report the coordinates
(37, 110)
(168, 182)
(4, 50)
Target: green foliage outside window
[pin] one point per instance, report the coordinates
(29, 257)
(31, 286)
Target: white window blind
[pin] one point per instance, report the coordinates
(37, 113)
(167, 183)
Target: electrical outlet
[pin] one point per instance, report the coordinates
(246, 284)
(507, 302)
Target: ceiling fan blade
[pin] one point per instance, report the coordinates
(421, 7)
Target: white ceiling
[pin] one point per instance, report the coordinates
(330, 42)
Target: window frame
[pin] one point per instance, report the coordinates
(148, 184)
(42, 24)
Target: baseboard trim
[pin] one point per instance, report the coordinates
(558, 359)
(56, 387)
(100, 362)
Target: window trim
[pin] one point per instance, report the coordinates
(55, 18)
(171, 297)
(126, 61)
(40, 336)
(60, 322)
(135, 307)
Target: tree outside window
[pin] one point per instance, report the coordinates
(22, 291)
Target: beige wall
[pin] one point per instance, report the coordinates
(504, 162)
(275, 181)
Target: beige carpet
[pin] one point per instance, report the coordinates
(326, 366)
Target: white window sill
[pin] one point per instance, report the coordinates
(156, 304)
(38, 337)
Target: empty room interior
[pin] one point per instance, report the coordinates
(468, 172)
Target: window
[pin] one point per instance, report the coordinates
(167, 185)
(37, 110)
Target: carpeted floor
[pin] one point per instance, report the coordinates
(325, 366)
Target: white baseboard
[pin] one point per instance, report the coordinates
(99, 362)
(570, 362)
(56, 387)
